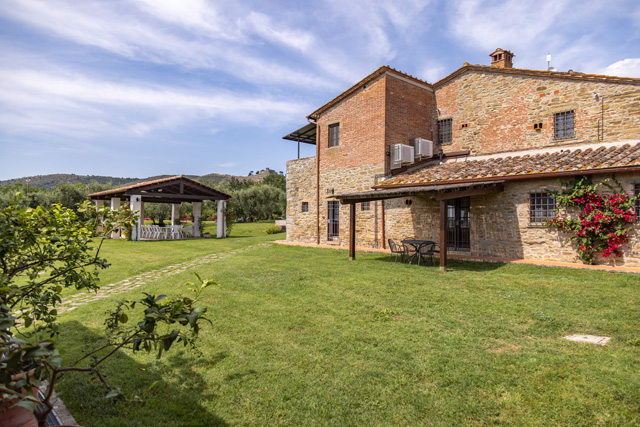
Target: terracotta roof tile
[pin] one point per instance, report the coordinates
(555, 161)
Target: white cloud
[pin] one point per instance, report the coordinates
(73, 104)
(490, 25)
(227, 165)
(196, 38)
(629, 67)
(432, 72)
(262, 25)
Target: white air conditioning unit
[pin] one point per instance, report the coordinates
(422, 147)
(401, 155)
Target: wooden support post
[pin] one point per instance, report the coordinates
(384, 235)
(443, 234)
(352, 231)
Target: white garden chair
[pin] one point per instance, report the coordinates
(176, 232)
(156, 232)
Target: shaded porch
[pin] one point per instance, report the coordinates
(439, 192)
(174, 191)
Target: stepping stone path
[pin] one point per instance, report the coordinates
(592, 339)
(106, 291)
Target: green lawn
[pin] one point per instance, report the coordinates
(304, 336)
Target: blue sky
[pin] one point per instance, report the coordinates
(138, 88)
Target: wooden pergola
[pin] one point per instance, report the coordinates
(439, 192)
(173, 190)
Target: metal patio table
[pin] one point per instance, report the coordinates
(418, 245)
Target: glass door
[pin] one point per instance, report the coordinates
(333, 220)
(459, 224)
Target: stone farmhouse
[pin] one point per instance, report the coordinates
(468, 160)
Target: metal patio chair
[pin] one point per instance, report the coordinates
(428, 250)
(397, 250)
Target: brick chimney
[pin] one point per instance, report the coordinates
(502, 58)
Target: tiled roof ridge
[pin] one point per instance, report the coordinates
(145, 183)
(374, 75)
(571, 75)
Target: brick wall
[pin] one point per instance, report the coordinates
(388, 110)
(500, 111)
(362, 130)
(409, 112)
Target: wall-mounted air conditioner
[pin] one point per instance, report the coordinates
(401, 155)
(422, 147)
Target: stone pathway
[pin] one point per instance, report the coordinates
(106, 291)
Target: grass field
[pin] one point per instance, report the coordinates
(304, 336)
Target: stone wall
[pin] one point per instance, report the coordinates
(301, 187)
(499, 112)
(349, 180)
(500, 225)
(494, 112)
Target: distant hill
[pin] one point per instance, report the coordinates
(50, 181)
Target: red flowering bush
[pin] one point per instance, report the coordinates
(599, 223)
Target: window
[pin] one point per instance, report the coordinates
(638, 201)
(305, 206)
(563, 124)
(366, 206)
(444, 131)
(334, 135)
(541, 207)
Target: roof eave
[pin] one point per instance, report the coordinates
(516, 177)
(536, 73)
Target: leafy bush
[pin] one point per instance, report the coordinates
(599, 223)
(273, 229)
(42, 252)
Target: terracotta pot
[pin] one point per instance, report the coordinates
(17, 417)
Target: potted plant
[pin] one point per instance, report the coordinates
(42, 252)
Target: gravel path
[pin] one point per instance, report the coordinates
(133, 282)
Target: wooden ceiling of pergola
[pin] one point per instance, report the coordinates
(174, 189)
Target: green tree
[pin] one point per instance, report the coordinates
(68, 195)
(258, 203)
(275, 180)
(155, 211)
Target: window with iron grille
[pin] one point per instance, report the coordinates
(444, 131)
(638, 201)
(563, 125)
(305, 206)
(541, 207)
(366, 206)
(334, 135)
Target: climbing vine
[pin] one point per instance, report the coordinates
(599, 223)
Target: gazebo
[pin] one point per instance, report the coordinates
(173, 190)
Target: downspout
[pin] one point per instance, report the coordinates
(311, 120)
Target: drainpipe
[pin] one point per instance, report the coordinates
(311, 120)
